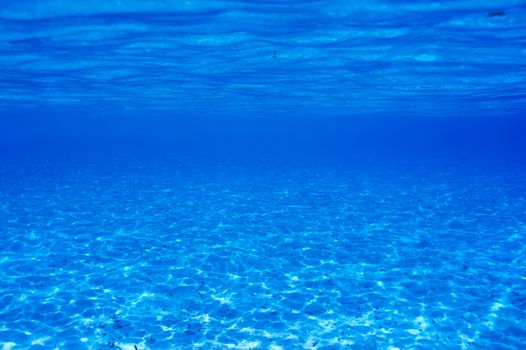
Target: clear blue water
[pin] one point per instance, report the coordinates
(267, 175)
(238, 57)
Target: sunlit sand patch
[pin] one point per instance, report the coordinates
(248, 330)
(222, 300)
(310, 343)
(244, 345)
(466, 342)
(270, 335)
(421, 325)
(496, 306)
(131, 346)
(41, 341)
(275, 347)
(204, 318)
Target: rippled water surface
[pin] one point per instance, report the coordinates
(243, 57)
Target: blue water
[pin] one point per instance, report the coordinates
(262, 175)
(290, 57)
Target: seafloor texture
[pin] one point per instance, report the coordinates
(244, 57)
(169, 257)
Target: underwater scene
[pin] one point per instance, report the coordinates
(274, 174)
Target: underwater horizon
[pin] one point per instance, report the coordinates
(227, 174)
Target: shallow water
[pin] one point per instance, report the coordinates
(168, 257)
(270, 175)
